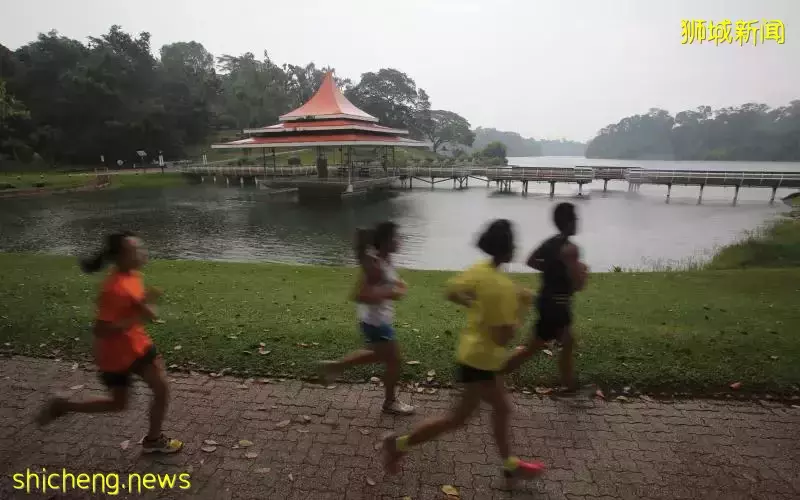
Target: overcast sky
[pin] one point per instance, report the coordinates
(543, 68)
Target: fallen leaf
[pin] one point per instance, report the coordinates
(330, 386)
(243, 386)
(251, 454)
(214, 375)
(622, 398)
(74, 366)
(244, 443)
(291, 478)
(302, 344)
(413, 362)
(370, 481)
(264, 381)
(374, 380)
(263, 470)
(646, 398)
(548, 352)
(599, 394)
(795, 406)
(736, 386)
(302, 431)
(526, 391)
(262, 344)
(124, 445)
(626, 389)
(365, 431)
(315, 344)
(159, 321)
(210, 442)
(274, 407)
(420, 390)
(76, 387)
(283, 423)
(431, 373)
(263, 352)
(432, 390)
(260, 408)
(450, 491)
(177, 348)
(543, 390)
(306, 418)
(773, 358)
(209, 449)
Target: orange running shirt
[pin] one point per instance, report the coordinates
(119, 299)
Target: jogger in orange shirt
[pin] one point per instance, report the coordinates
(122, 347)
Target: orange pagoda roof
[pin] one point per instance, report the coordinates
(327, 103)
(327, 119)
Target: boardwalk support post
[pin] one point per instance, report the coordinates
(227, 181)
(580, 189)
(772, 198)
(669, 191)
(605, 185)
(241, 181)
(552, 189)
(736, 195)
(700, 198)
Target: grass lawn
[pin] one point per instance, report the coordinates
(678, 331)
(65, 180)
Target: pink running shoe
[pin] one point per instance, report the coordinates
(524, 470)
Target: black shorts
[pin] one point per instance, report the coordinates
(554, 316)
(123, 379)
(467, 374)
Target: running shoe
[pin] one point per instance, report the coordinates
(161, 445)
(524, 470)
(397, 407)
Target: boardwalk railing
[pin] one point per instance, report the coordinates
(714, 178)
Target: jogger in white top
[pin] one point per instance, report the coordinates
(377, 288)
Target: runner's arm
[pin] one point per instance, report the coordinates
(577, 273)
(461, 289)
(535, 261)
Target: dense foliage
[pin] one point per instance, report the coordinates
(71, 102)
(751, 132)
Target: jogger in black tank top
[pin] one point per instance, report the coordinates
(563, 274)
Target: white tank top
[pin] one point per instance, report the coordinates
(383, 313)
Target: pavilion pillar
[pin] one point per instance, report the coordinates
(349, 169)
(700, 198)
(264, 158)
(772, 198)
(605, 185)
(736, 195)
(274, 162)
(669, 191)
(552, 189)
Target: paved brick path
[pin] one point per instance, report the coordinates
(637, 450)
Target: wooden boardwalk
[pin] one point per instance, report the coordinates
(729, 178)
(503, 177)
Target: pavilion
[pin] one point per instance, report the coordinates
(327, 121)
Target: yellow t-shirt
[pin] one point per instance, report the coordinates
(496, 304)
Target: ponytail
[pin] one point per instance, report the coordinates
(93, 264)
(110, 251)
(363, 244)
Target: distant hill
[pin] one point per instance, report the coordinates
(527, 146)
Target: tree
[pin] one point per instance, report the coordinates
(190, 89)
(751, 132)
(516, 144)
(392, 97)
(447, 127)
(14, 124)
